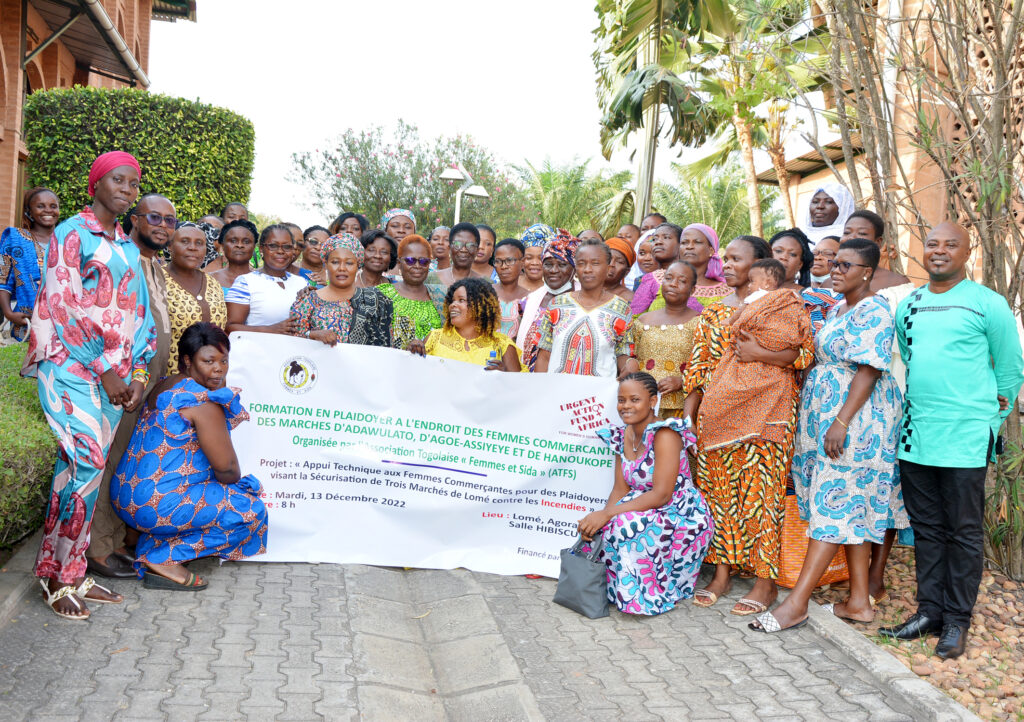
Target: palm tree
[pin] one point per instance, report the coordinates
(568, 196)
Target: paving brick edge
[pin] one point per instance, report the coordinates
(16, 578)
(887, 670)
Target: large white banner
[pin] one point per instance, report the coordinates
(376, 456)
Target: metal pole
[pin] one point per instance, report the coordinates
(648, 53)
(458, 202)
(56, 34)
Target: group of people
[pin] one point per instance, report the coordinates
(745, 369)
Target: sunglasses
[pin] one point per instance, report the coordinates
(154, 219)
(410, 262)
(844, 266)
(471, 246)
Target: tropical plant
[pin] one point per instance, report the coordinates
(717, 199)
(369, 171)
(570, 197)
(198, 155)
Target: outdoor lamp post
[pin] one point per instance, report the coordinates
(467, 188)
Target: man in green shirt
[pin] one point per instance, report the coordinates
(964, 369)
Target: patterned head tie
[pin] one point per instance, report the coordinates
(394, 213)
(563, 247)
(538, 235)
(345, 241)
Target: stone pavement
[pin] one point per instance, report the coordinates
(307, 642)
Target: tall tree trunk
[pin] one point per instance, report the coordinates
(648, 53)
(746, 139)
(779, 163)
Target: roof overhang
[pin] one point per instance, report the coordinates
(88, 33)
(172, 10)
(813, 161)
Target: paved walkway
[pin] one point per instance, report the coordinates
(308, 642)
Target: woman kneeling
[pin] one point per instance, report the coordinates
(179, 482)
(656, 525)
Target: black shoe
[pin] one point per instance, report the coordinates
(952, 642)
(917, 626)
(118, 566)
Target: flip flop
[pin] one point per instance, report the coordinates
(68, 592)
(768, 624)
(157, 581)
(702, 594)
(757, 607)
(89, 583)
(831, 609)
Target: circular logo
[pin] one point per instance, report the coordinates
(298, 375)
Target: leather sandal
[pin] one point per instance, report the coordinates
(89, 583)
(753, 607)
(65, 592)
(704, 598)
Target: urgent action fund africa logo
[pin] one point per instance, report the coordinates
(298, 375)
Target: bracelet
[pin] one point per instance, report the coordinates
(141, 375)
(845, 425)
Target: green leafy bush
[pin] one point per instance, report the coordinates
(199, 156)
(28, 452)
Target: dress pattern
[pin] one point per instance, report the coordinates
(21, 267)
(165, 488)
(509, 316)
(818, 302)
(91, 316)
(663, 351)
(184, 309)
(447, 343)
(700, 298)
(424, 315)
(745, 482)
(853, 499)
(364, 319)
(586, 342)
(653, 557)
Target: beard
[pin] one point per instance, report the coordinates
(148, 241)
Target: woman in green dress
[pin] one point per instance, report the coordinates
(418, 306)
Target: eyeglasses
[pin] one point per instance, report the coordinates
(502, 262)
(155, 219)
(275, 248)
(471, 246)
(844, 266)
(410, 262)
(824, 254)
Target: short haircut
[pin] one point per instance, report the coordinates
(876, 220)
(837, 239)
(411, 239)
(676, 230)
(239, 222)
(485, 227)
(661, 218)
(760, 247)
(687, 264)
(265, 233)
(634, 226)
(127, 224)
(644, 379)
(465, 227)
(806, 254)
(592, 231)
(224, 210)
(311, 229)
(335, 227)
(514, 242)
(868, 251)
(772, 268)
(594, 243)
(30, 196)
(199, 335)
(372, 235)
(296, 226)
(482, 300)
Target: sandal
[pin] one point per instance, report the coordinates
(756, 607)
(62, 593)
(768, 624)
(701, 595)
(831, 609)
(152, 580)
(89, 583)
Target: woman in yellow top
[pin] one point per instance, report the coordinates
(192, 295)
(470, 333)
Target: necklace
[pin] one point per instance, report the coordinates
(636, 444)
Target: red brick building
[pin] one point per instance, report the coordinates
(61, 43)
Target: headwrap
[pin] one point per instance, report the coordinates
(394, 213)
(622, 246)
(714, 271)
(563, 247)
(635, 273)
(538, 235)
(344, 241)
(108, 162)
(843, 198)
(212, 235)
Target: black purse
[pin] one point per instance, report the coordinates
(582, 581)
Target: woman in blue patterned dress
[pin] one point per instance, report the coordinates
(656, 525)
(179, 482)
(22, 258)
(844, 468)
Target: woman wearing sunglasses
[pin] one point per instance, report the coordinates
(417, 305)
(845, 461)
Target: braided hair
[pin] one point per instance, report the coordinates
(482, 301)
(644, 379)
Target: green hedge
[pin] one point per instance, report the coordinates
(199, 156)
(28, 450)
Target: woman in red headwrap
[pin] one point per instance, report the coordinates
(90, 341)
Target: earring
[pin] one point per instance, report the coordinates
(865, 278)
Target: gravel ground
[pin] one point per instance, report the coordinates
(989, 678)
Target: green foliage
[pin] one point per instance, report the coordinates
(29, 450)
(717, 199)
(368, 172)
(1004, 509)
(199, 156)
(569, 197)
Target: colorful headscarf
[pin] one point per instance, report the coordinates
(538, 235)
(345, 241)
(622, 246)
(563, 247)
(714, 271)
(108, 162)
(394, 213)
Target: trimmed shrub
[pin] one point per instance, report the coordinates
(198, 155)
(28, 452)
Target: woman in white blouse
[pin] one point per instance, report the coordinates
(262, 300)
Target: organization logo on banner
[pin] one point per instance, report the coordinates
(585, 416)
(298, 375)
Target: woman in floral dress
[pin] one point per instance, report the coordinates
(656, 526)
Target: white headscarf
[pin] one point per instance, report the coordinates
(635, 272)
(843, 198)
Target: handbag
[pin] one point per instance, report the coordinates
(582, 580)
(794, 549)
